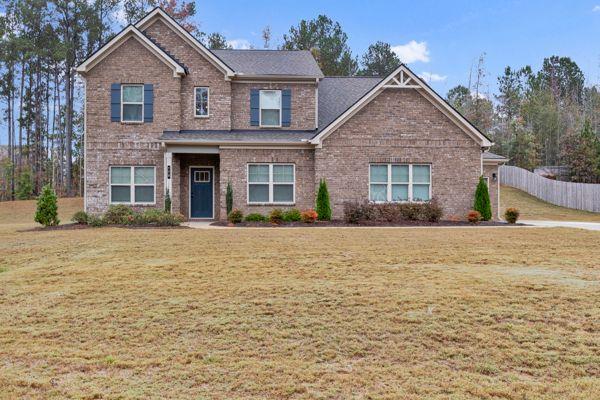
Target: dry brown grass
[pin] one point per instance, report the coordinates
(536, 209)
(492, 313)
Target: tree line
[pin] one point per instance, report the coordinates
(548, 117)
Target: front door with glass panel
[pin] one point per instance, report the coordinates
(201, 193)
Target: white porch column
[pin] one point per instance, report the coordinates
(168, 172)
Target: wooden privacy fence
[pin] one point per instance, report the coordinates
(581, 196)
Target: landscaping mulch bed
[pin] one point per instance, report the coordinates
(71, 227)
(340, 223)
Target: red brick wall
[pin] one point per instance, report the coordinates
(303, 104)
(233, 166)
(114, 143)
(400, 126)
(201, 73)
(488, 171)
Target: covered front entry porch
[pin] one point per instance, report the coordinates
(193, 180)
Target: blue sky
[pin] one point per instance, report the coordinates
(443, 39)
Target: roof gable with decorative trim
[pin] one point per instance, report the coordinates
(127, 33)
(402, 78)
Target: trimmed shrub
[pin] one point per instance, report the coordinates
(323, 207)
(235, 216)
(95, 221)
(80, 217)
(511, 215)
(309, 216)
(255, 217)
(47, 208)
(432, 211)
(168, 219)
(292, 215)
(229, 198)
(355, 212)
(276, 216)
(167, 202)
(482, 200)
(474, 216)
(118, 215)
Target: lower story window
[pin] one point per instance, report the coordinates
(271, 183)
(399, 182)
(132, 185)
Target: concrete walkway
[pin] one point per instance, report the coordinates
(592, 226)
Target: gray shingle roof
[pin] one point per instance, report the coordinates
(491, 156)
(337, 94)
(270, 62)
(238, 135)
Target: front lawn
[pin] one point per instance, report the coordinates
(490, 313)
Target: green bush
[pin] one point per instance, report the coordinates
(95, 221)
(235, 216)
(255, 217)
(80, 217)
(323, 206)
(276, 216)
(291, 215)
(229, 198)
(24, 185)
(118, 214)
(167, 201)
(168, 219)
(511, 215)
(47, 208)
(482, 200)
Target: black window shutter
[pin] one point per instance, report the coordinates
(148, 102)
(115, 102)
(254, 107)
(286, 107)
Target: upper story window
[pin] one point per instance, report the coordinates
(201, 102)
(399, 182)
(132, 103)
(270, 108)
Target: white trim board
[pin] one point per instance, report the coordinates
(403, 78)
(157, 13)
(130, 32)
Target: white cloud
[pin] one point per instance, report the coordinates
(239, 44)
(431, 77)
(412, 51)
(596, 8)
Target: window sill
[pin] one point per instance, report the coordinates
(132, 122)
(271, 204)
(114, 203)
(202, 116)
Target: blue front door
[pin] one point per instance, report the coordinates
(201, 193)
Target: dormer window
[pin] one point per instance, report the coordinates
(270, 108)
(132, 103)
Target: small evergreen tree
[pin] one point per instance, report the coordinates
(25, 185)
(167, 202)
(229, 198)
(482, 200)
(47, 208)
(323, 206)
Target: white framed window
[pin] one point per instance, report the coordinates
(201, 176)
(271, 183)
(399, 182)
(270, 108)
(132, 185)
(201, 101)
(132, 103)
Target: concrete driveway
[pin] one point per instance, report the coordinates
(592, 226)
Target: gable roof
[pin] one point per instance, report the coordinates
(402, 78)
(158, 12)
(293, 63)
(338, 93)
(131, 32)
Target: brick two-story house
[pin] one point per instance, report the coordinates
(164, 113)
